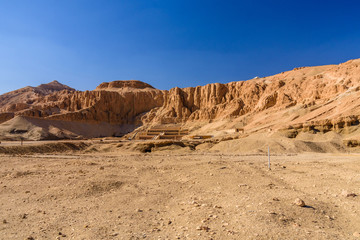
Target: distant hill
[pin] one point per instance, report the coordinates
(25, 97)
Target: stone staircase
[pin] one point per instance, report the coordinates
(162, 132)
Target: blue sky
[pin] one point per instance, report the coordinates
(169, 43)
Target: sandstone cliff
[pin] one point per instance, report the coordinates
(118, 102)
(326, 96)
(320, 98)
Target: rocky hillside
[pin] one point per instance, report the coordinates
(320, 98)
(27, 97)
(324, 97)
(118, 102)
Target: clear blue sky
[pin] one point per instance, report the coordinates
(169, 43)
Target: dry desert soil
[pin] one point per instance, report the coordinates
(174, 195)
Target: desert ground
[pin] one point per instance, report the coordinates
(172, 194)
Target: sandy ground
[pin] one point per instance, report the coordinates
(32, 143)
(179, 196)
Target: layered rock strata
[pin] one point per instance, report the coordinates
(323, 98)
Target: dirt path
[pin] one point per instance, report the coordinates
(193, 196)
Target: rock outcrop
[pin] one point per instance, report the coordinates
(305, 96)
(320, 98)
(27, 97)
(124, 85)
(119, 102)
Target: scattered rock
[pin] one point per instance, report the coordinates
(356, 234)
(345, 193)
(156, 230)
(101, 168)
(203, 228)
(299, 202)
(139, 210)
(30, 238)
(276, 199)
(4, 221)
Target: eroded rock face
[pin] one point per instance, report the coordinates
(25, 98)
(208, 102)
(94, 106)
(303, 95)
(133, 84)
(107, 106)
(119, 102)
(305, 98)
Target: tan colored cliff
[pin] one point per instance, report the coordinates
(308, 95)
(118, 102)
(306, 98)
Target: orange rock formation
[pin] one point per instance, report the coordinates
(320, 98)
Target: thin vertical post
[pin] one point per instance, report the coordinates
(269, 158)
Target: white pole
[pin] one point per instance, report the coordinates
(269, 157)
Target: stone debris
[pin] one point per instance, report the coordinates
(203, 228)
(345, 193)
(299, 202)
